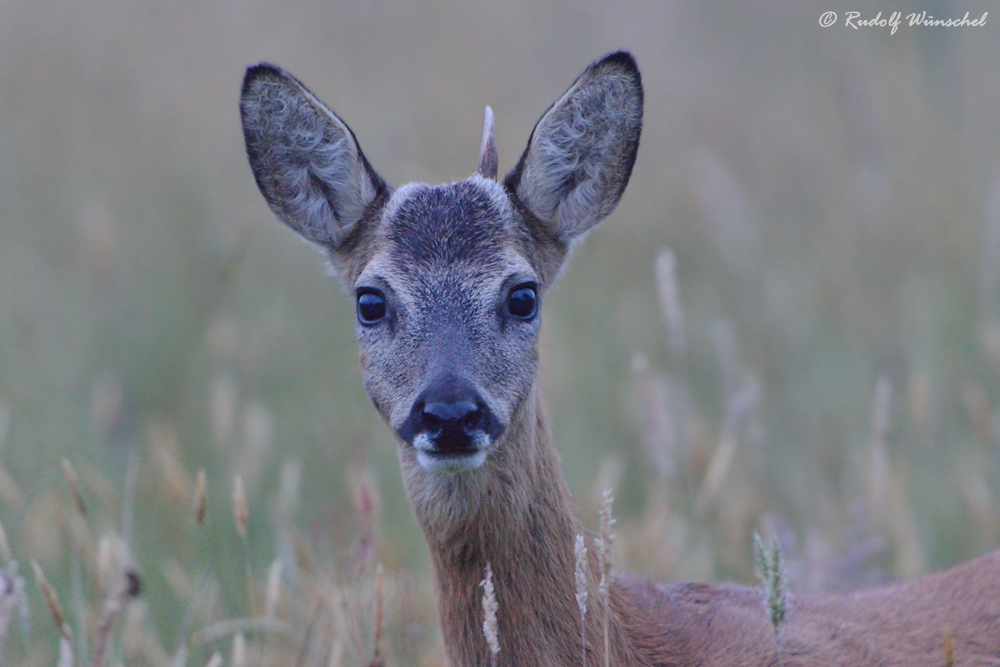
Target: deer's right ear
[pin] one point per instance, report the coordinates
(580, 154)
(306, 161)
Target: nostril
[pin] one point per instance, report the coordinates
(432, 423)
(464, 415)
(473, 420)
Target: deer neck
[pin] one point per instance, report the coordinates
(515, 513)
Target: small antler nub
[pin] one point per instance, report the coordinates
(488, 160)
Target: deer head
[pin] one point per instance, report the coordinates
(448, 279)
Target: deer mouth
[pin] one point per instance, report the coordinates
(449, 450)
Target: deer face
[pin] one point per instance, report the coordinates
(448, 280)
(448, 320)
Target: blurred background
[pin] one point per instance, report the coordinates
(791, 323)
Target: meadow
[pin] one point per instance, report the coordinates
(790, 324)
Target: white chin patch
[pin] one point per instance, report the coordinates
(429, 458)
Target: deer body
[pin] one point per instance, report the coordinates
(448, 282)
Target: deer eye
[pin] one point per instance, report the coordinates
(522, 302)
(371, 306)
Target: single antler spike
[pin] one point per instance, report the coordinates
(488, 160)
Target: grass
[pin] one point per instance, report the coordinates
(315, 612)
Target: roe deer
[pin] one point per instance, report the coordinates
(448, 282)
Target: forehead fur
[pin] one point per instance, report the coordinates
(471, 225)
(467, 222)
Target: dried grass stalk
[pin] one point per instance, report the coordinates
(74, 486)
(879, 467)
(10, 491)
(603, 544)
(65, 652)
(220, 629)
(273, 589)
(200, 496)
(242, 517)
(5, 552)
(52, 602)
(580, 573)
(379, 617)
(490, 609)
(715, 474)
(240, 513)
(129, 585)
(239, 656)
(670, 300)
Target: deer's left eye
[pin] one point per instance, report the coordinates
(522, 302)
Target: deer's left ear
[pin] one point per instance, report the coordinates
(580, 154)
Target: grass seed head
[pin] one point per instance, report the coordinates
(74, 486)
(580, 550)
(200, 496)
(605, 541)
(240, 512)
(490, 609)
(51, 600)
(770, 569)
(5, 552)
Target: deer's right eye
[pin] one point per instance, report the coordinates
(371, 306)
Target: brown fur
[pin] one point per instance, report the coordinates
(445, 259)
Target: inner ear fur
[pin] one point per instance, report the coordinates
(580, 154)
(305, 159)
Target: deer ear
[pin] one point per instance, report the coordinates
(306, 161)
(580, 154)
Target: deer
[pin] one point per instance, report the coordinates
(448, 283)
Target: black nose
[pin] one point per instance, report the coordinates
(452, 415)
(450, 425)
